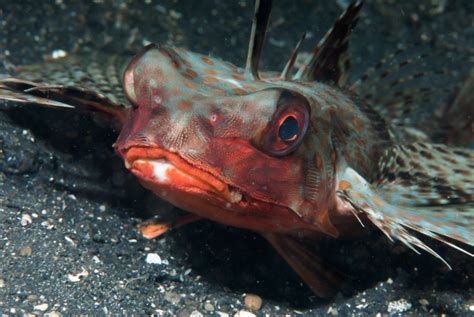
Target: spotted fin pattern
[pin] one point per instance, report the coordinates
(423, 174)
(423, 187)
(91, 82)
(410, 89)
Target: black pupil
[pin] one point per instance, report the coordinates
(288, 129)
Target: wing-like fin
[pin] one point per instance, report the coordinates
(330, 61)
(88, 82)
(371, 71)
(257, 36)
(58, 96)
(320, 279)
(424, 174)
(410, 88)
(423, 188)
(17, 96)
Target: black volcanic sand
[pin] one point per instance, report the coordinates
(81, 253)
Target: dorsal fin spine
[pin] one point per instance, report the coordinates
(257, 37)
(286, 73)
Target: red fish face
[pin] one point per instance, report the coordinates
(227, 149)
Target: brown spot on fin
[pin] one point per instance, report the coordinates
(330, 61)
(91, 82)
(257, 36)
(425, 174)
(397, 221)
(96, 72)
(307, 264)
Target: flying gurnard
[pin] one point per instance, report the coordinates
(293, 155)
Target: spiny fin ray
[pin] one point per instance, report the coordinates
(257, 36)
(394, 219)
(330, 61)
(67, 83)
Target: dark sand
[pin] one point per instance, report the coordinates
(60, 170)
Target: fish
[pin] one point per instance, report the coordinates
(296, 156)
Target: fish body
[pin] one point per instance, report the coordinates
(292, 155)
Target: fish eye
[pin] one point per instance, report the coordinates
(289, 124)
(288, 130)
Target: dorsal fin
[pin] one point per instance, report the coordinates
(329, 61)
(285, 74)
(257, 36)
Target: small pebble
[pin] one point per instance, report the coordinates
(77, 277)
(48, 225)
(58, 54)
(26, 251)
(175, 14)
(333, 311)
(222, 314)
(153, 258)
(196, 313)
(399, 306)
(2, 283)
(26, 220)
(424, 302)
(53, 314)
(253, 302)
(41, 307)
(244, 313)
(32, 298)
(172, 297)
(208, 307)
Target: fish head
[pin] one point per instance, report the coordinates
(207, 139)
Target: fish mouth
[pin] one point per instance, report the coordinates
(168, 170)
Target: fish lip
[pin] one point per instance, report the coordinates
(198, 178)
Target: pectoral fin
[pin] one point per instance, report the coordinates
(388, 207)
(306, 264)
(89, 82)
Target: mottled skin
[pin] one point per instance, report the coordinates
(204, 113)
(292, 156)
